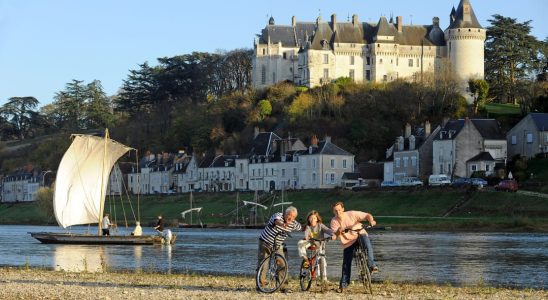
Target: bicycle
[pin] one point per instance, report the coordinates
(275, 267)
(315, 255)
(360, 258)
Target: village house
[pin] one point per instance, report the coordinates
(21, 185)
(529, 137)
(457, 145)
(411, 154)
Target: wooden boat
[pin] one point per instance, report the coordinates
(88, 239)
(80, 188)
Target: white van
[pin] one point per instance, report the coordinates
(437, 180)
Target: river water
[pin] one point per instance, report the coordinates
(493, 259)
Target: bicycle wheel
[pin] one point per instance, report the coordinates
(305, 277)
(363, 268)
(274, 268)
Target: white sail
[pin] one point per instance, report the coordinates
(82, 179)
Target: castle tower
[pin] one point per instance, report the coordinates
(465, 43)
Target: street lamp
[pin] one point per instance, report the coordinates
(44, 176)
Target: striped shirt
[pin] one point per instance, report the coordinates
(271, 229)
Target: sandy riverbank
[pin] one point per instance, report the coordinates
(43, 284)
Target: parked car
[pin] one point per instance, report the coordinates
(411, 181)
(509, 185)
(460, 182)
(478, 182)
(389, 183)
(439, 180)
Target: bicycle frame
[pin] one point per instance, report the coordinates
(360, 259)
(314, 255)
(275, 269)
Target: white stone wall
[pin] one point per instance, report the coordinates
(497, 148)
(442, 157)
(466, 52)
(277, 67)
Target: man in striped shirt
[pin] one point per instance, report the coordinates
(278, 228)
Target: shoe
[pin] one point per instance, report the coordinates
(306, 264)
(286, 290)
(340, 290)
(374, 269)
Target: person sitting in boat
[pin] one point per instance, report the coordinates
(138, 231)
(105, 225)
(160, 224)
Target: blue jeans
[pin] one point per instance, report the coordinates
(348, 256)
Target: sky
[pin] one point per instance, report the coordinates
(45, 44)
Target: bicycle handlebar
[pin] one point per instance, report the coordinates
(357, 230)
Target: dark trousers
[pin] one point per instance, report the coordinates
(106, 231)
(348, 256)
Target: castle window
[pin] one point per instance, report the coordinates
(410, 62)
(367, 75)
(325, 73)
(285, 55)
(351, 60)
(368, 60)
(264, 51)
(273, 77)
(397, 61)
(384, 78)
(418, 64)
(351, 75)
(263, 74)
(380, 61)
(326, 58)
(378, 45)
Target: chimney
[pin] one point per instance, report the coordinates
(400, 143)
(274, 146)
(333, 22)
(412, 142)
(400, 23)
(293, 21)
(309, 149)
(255, 132)
(407, 130)
(427, 129)
(436, 22)
(327, 139)
(314, 141)
(355, 20)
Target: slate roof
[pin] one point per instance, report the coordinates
(482, 156)
(488, 128)
(325, 147)
(262, 143)
(540, 120)
(347, 32)
(459, 17)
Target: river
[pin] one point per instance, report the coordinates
(494, 259)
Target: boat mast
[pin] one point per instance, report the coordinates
(191, 207)
(102, 202)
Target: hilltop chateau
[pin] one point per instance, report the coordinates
(314, 53)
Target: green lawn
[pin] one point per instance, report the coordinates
(411, 209)
(502, 109)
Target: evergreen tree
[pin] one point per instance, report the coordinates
(512, 54)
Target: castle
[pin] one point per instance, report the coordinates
(315, 53)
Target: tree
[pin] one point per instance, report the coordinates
(511, 55)
(19, 114)
(479, 89)
(265, 108)
(98, 107)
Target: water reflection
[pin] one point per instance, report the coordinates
(76, 258)
(495, 259)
